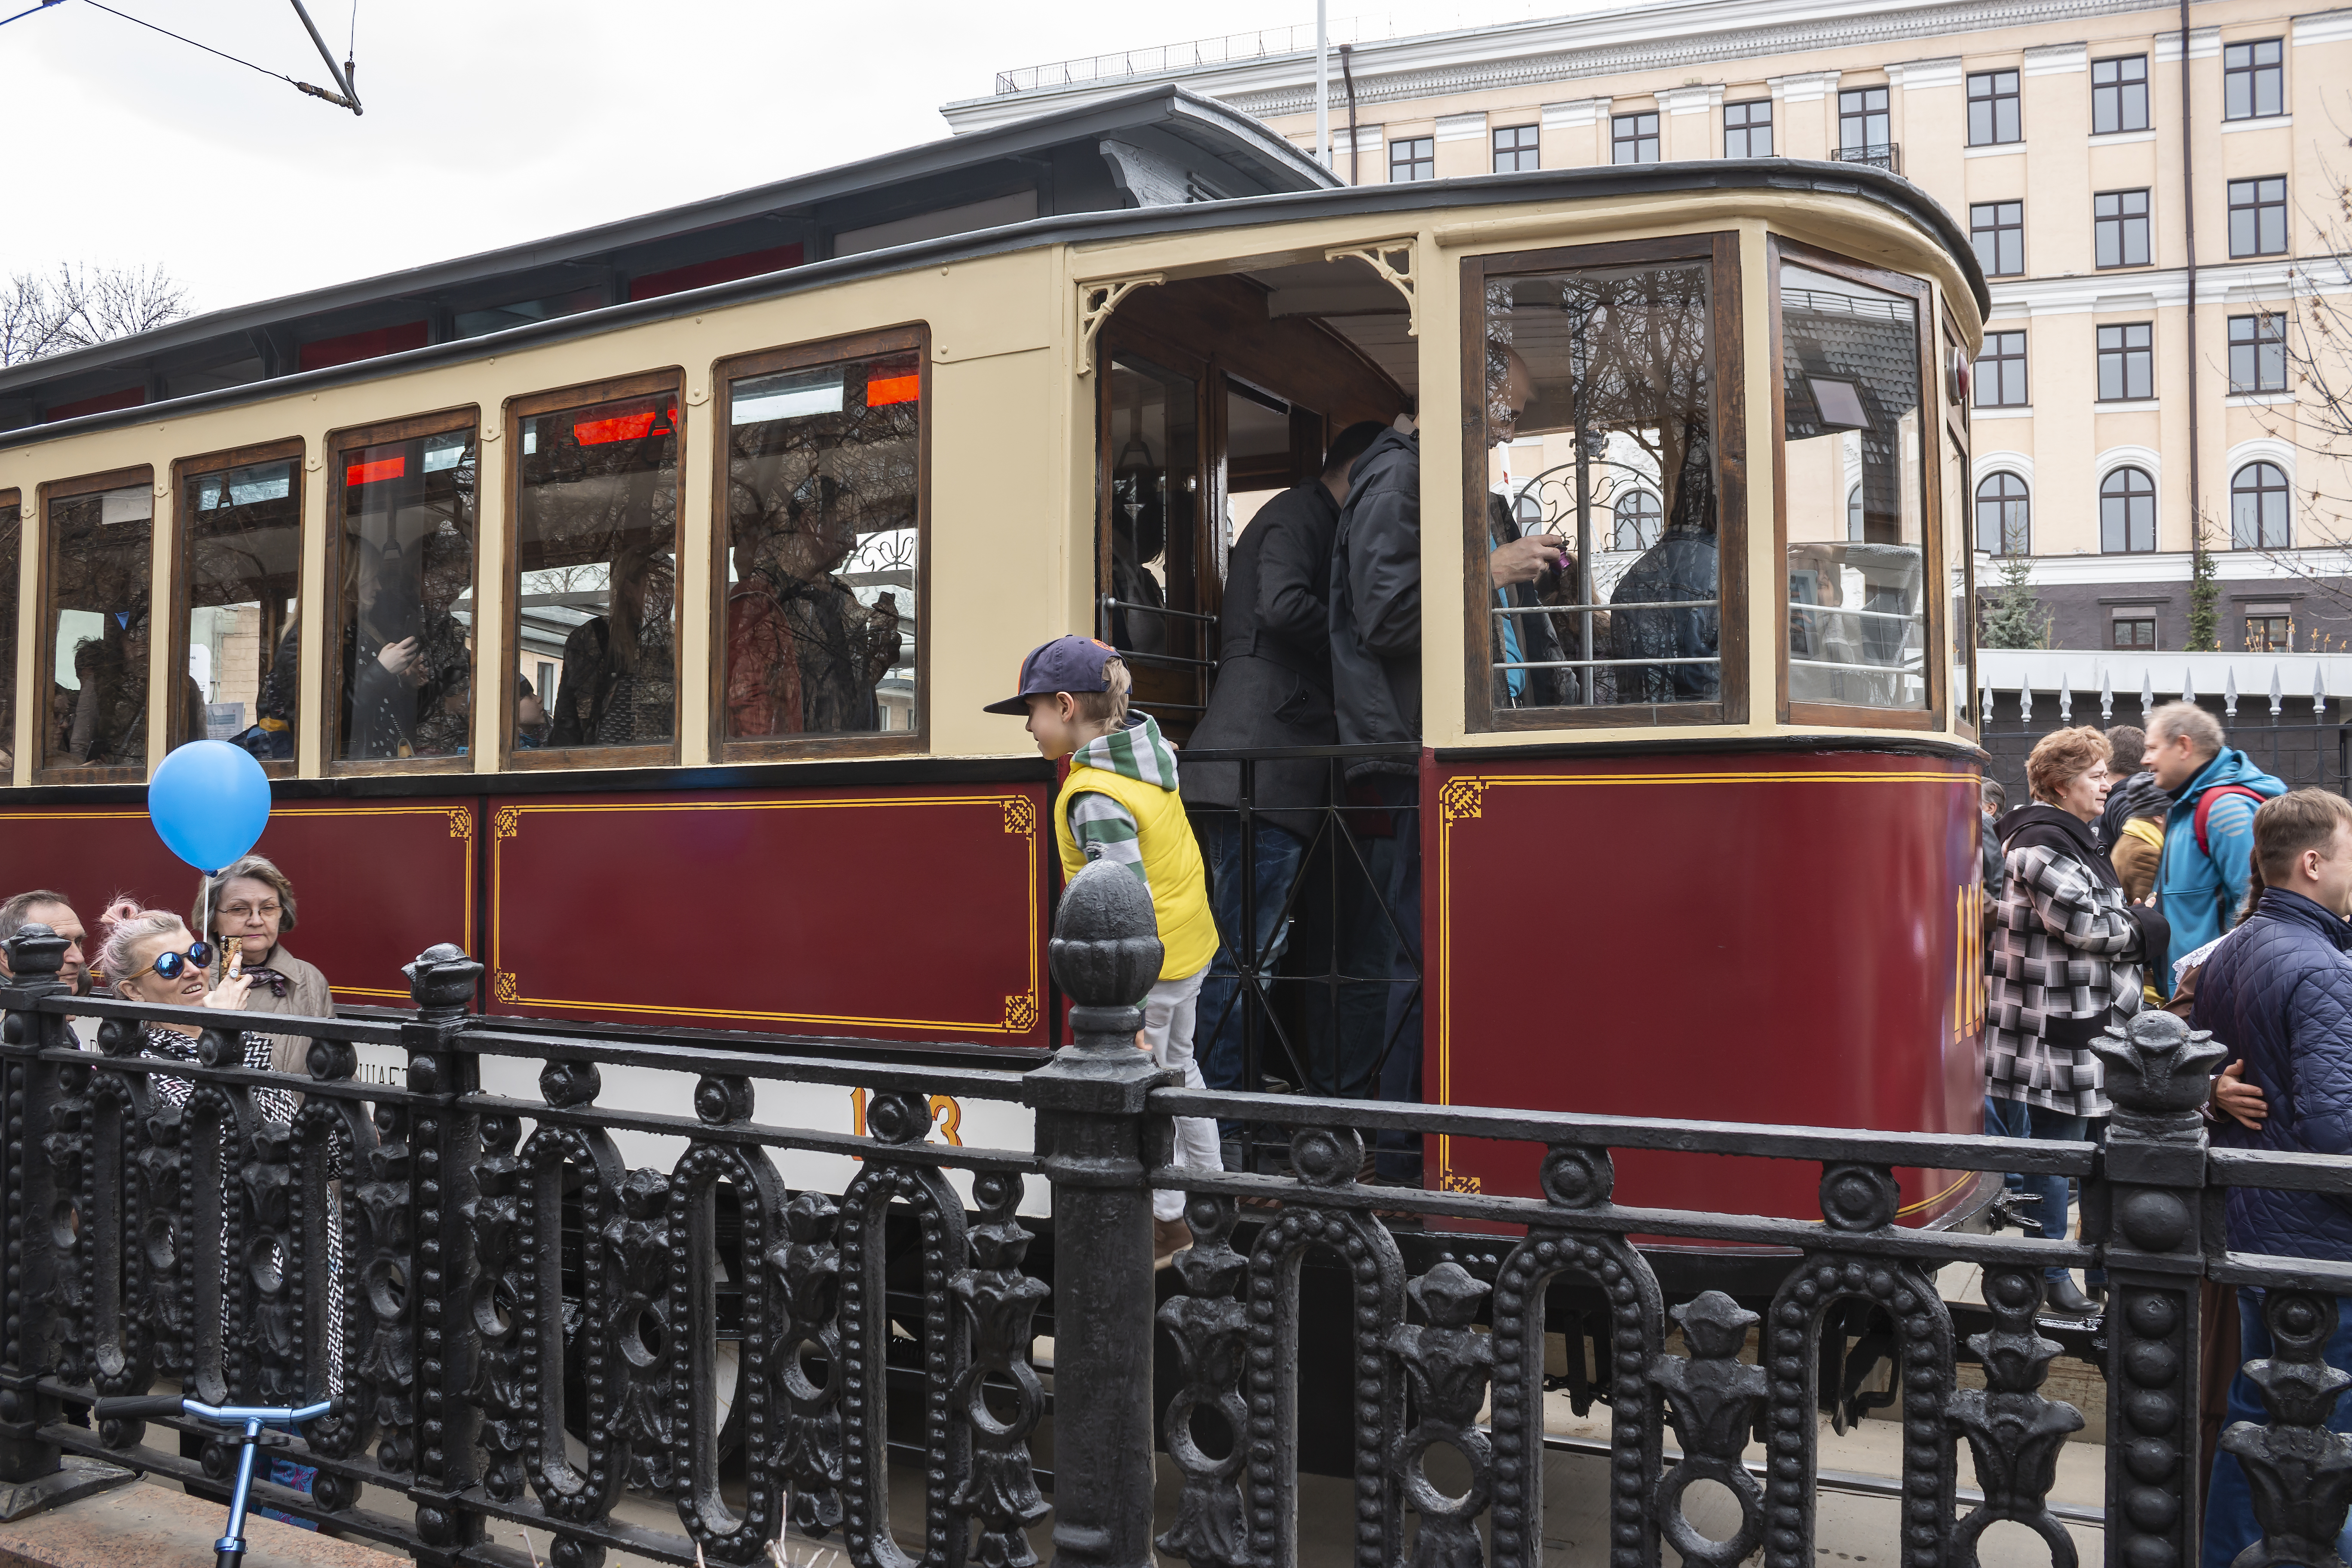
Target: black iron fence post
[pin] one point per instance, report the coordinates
(447, 1144)
(29, 1203)
(1095, 1140)
(2148, 1203)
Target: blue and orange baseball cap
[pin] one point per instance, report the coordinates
(1066, 664)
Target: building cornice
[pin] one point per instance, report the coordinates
(1635, 38)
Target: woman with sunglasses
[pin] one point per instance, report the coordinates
(252, 905)
(151, 957)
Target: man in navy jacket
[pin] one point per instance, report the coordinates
(2278, 993)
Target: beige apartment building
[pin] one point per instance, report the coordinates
(2052, 131)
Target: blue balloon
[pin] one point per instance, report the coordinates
(209, 803)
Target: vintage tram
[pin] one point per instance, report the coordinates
(641, 647)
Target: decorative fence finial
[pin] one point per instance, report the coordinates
(2106, 696)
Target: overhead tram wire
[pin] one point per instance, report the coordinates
(28, 10)
(327, 93)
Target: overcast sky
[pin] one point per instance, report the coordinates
(489, 122)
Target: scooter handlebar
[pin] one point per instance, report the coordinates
(138, 1407)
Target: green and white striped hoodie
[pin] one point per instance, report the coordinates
(1104, 828)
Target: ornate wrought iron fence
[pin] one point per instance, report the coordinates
(208, 1243)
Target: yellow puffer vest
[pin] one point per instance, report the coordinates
(1171, 862)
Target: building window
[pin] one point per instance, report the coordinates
(1864, 124)
(2126, 363)
(1413, 158)
(2259, 507)
(2001, 372)
(2253, 79)
(1516, 151)
(2258, 352)
(2119, 228)
(2270, 632)
(1633, 138)
(2135, 632)
(2128, 512)
(2004, 516)
(1854, 515)
(1748, 129)
(1639, 523)
(2258, 217)
(1998, 231)
(2119, 95)
(1992, 109)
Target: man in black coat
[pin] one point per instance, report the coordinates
(1274, 689)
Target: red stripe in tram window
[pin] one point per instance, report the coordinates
(369, 473)
(884, 390)
(619, 427)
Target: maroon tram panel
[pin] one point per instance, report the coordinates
(917, 913)
(1768, 937)
(376, 882)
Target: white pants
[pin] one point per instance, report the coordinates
(1169, 1010)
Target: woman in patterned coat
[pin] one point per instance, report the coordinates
(2067, 951)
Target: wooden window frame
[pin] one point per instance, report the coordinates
(184, 469)
(2122, 351)
(2121, 220)
(2118, 88)
(1720, 251)
(330, 720)
(44, 772)
(508, 655)
(1930, 714)
(2022, 358)
(1959, 431)
(1993, 95)
(1749, 126)
(915, 338)
(12, 497)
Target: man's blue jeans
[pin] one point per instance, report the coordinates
(2230, 1525)
(2016, 1119)
(1223, 997)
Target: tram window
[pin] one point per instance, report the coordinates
(241, 533)
(1850, 383)
(595, 563)
(1259, 463)
(405, 592)
(824, 502)
(1608, 376)
(98, 620)
(1150, 594)
(12, 562)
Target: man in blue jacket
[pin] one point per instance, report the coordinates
(2278, 993)
(2208, 844)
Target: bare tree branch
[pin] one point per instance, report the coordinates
(78, 305)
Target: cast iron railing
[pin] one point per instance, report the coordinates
(488, 1276)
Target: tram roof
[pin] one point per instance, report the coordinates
(1167, 141)
(1851, 181)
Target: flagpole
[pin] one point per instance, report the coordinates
(1322, 85)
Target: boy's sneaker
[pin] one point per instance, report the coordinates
(1169, 1237)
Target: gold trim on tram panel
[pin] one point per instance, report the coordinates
(1463, 799)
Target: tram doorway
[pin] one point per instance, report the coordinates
(1215, 395)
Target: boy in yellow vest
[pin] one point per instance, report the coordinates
(1120, 805)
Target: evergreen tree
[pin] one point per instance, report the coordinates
(2013, 615)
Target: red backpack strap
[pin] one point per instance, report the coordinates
(2205, 808)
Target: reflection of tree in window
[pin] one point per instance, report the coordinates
(823, 504)
(1619, 361)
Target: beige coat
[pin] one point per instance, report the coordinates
(307, 996)
(2137, 849)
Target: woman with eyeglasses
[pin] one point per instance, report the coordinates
(151, 957)
(252, 907)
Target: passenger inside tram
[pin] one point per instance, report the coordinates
(404, 603)
(823, 546)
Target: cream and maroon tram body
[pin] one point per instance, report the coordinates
(1698, 825)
